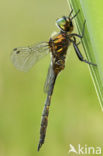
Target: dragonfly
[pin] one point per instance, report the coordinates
(23, 58)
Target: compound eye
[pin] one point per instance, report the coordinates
(61, 22)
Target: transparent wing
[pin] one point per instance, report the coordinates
(49, 79)
(23, 58)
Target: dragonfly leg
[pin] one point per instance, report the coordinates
(75, 14)
(77, 35)
(79, 53)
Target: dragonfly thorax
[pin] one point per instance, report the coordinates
(58, 47)
(58, 44)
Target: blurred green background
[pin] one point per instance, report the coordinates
(75, 114)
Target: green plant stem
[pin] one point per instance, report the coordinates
(90, 42)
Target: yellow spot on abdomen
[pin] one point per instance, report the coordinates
(59, 50)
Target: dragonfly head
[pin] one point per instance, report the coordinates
(65, 24)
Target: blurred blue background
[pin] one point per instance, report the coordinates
(75, 114)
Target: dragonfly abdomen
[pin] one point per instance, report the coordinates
(44, 121)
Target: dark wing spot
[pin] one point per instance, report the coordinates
(14, 49)
(18, 52)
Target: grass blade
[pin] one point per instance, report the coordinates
(91, 42)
